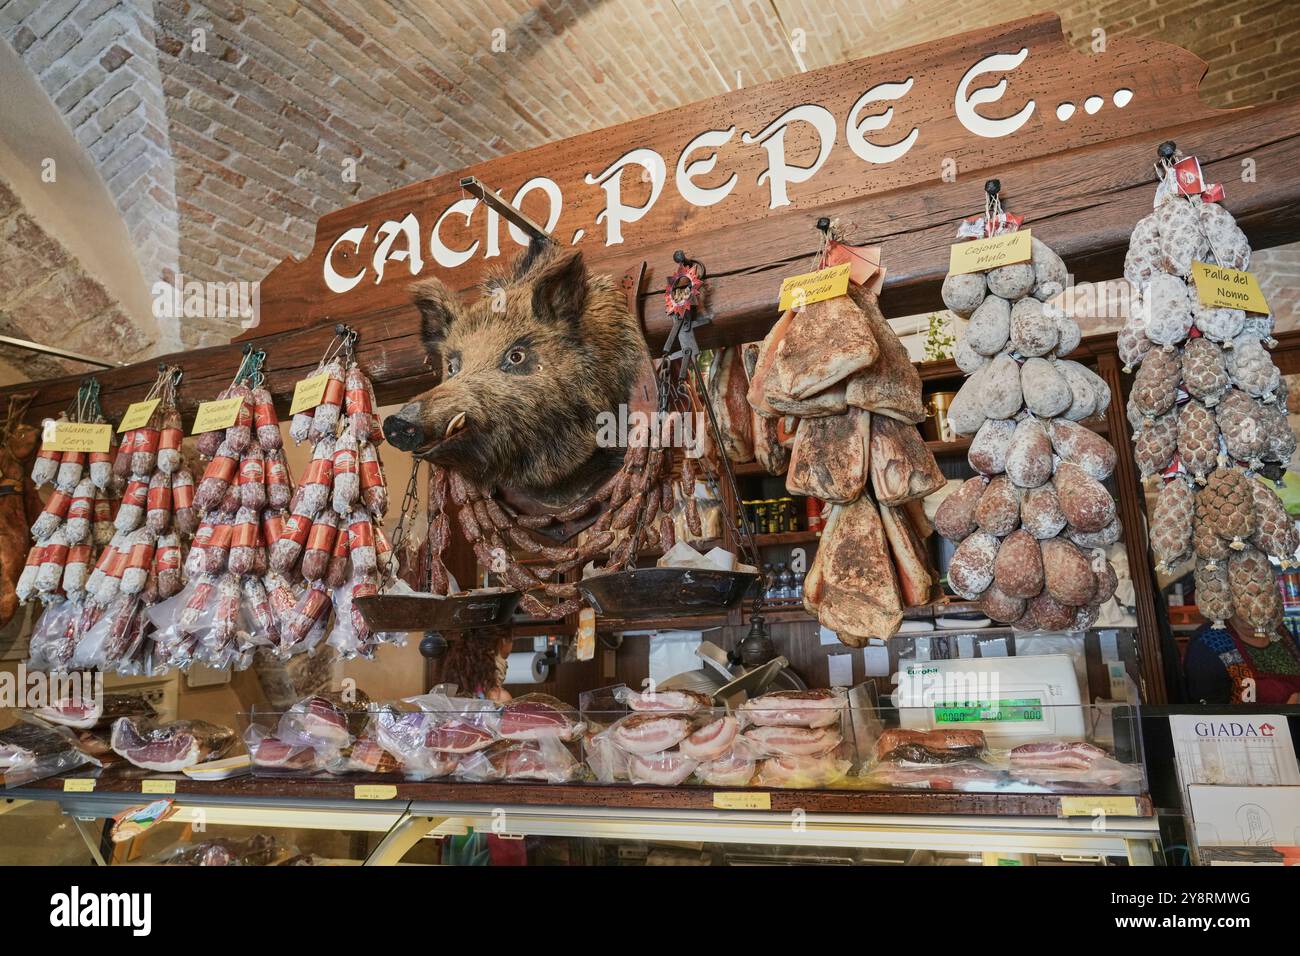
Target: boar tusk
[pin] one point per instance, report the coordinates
(455, 425)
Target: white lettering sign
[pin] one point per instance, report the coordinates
(634, 182)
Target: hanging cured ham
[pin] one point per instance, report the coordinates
(837, 368)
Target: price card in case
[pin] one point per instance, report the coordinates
(78, 785)
(212, 416)
(1093, 806)
(742, 800)
(309, 392)
(137, 415)
(157, 786)
(76, 436)
(374, 791)
(984, 254)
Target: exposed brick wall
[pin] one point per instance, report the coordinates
(46, 295)
(262, 122)
(98, 62)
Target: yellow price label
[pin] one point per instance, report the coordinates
(1092, 806)
(157, 786)
(374, 791)
(308, 393)
(803, 290)
(1221, 288)
(212, 416)
(742, 800)
(137, 415)
(983, 254)
(78, 785)
(76, 436)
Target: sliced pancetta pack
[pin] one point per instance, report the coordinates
(830, 460)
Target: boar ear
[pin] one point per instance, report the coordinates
(438, 307)
(560, 288)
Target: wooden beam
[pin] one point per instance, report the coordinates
(1084, 203)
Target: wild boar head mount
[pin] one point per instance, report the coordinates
(527, 370)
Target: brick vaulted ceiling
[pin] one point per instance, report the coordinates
(225, 129)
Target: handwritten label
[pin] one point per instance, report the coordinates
(157, 786)
(215, 415)
(78, 785)
(76, 436)
(983, 254)
(138, 415)
(802, 290)
(374, 791)
(742, 800)
(308, 393)
(1221, 288)
(1092, 806)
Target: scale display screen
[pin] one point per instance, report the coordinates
(1017, 709)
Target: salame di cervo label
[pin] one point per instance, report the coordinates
(76, 436)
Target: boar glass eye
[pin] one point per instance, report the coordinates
(515, 357)
(453, 365)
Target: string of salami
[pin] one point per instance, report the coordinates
(1208, 406)
(332, 538)
(117, 549)
(224, 613)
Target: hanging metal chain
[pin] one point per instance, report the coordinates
(408, 514)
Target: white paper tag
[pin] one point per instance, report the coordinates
(827, 636)
(965, 645)
(840, 669)
(997, 647)
(876, 658)
(921, 648)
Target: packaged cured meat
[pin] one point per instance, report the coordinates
(32, 750)
(169, 747)
(80, 511)
(46, 466)
(325, 418)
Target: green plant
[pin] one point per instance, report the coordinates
(939, 340)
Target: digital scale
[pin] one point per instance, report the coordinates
(1013, 700)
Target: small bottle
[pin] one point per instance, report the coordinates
(784, 583)
(798, 585)
(769, 583)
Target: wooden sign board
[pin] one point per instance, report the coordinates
(940, 112)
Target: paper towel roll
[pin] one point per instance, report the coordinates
(526, 667)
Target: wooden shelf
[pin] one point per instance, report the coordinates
(787, 538)
(126, 781)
